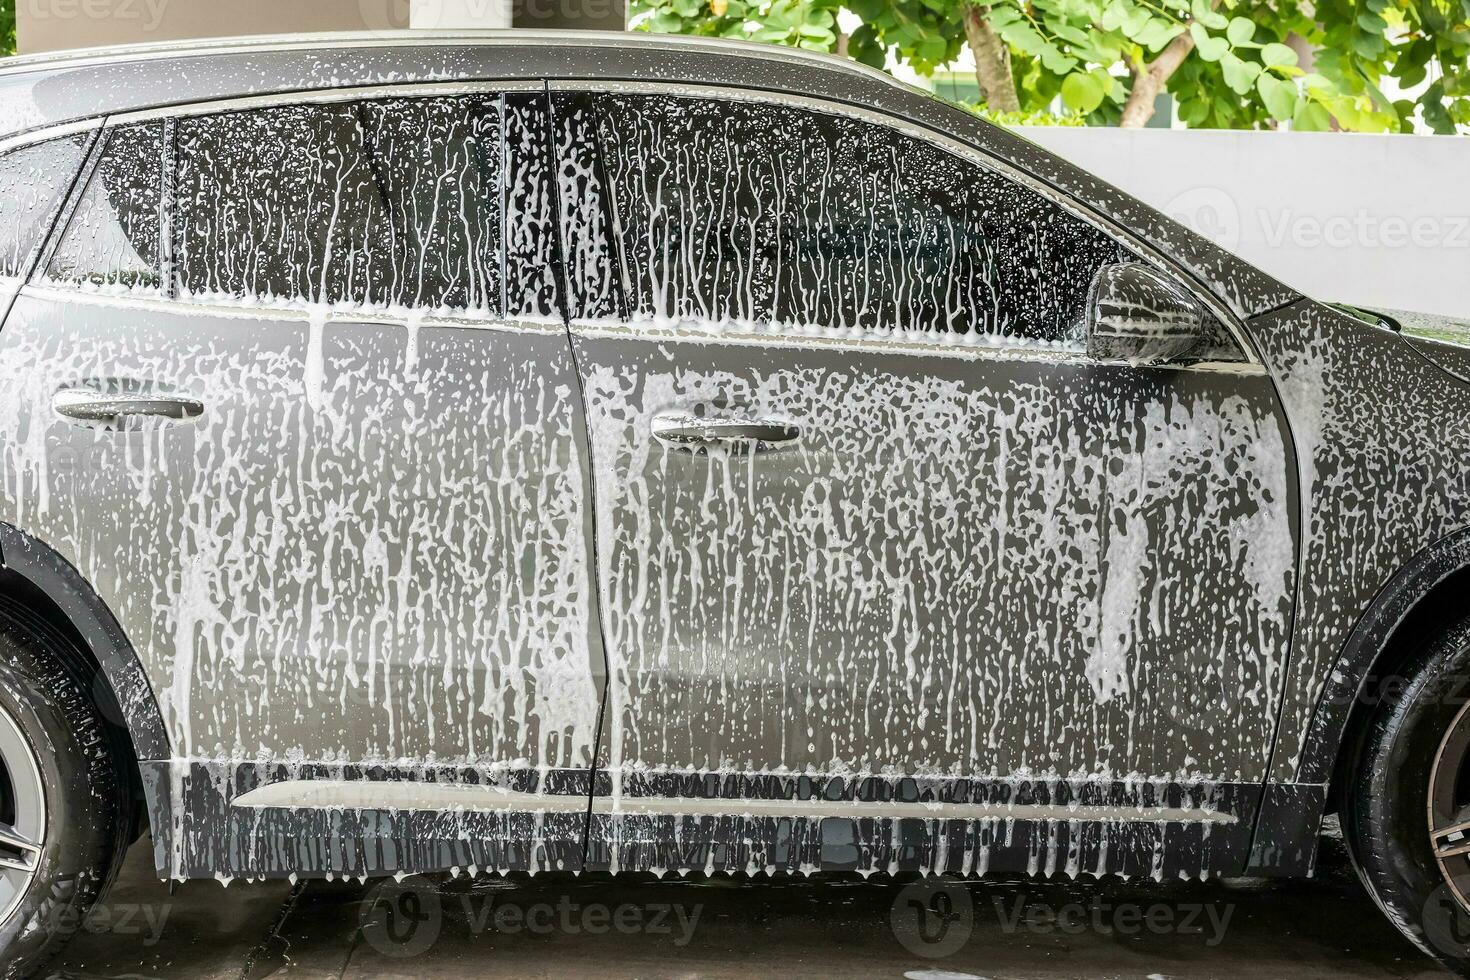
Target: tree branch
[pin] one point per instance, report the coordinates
(1149, 82)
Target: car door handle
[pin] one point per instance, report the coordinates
(95, 405)
(696, 433)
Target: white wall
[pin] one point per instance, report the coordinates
(1374, 220)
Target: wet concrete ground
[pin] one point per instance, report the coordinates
(687, 928)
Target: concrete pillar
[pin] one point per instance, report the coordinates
(543, 14)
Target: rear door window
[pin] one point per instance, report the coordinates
(279, 205)
(433, 204)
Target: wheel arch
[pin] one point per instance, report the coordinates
(34, 574)
(1427, 595)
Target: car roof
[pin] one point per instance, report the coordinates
(42, 92)
(343, 40)
(47, 89)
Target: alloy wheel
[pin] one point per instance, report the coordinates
(1449, 807)
(22, 814)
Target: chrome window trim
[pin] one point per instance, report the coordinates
(909, 346)
(20, 141)
(291, 313)
(946, 143)
(326, 96)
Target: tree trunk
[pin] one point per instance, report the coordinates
(1306, 55)
(992, 61)
(1151, 79)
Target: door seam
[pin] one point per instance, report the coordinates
(589, 522)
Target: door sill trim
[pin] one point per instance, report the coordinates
(358, 794)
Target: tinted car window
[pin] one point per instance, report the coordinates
(437, 168)
(33, 181)
(401, 203)
(772, 214)
(280, 204)
(112, 241)
(530, 209)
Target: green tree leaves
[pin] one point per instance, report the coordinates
(1209, 48)
(7, 27)
(1278, 95)
(1228, 63)
(1084, 92)
(1276, 55)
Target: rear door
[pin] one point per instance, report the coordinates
(967, 566)
(358, 552)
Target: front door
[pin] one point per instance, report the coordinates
(876, 538)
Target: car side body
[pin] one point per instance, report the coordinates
(417, 590)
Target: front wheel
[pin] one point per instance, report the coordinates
(63, 796)
(1406, 815)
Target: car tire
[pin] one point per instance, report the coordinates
(1387, 809)
(47, 709)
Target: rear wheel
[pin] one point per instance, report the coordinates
(22, 815)
(63, 795)
(1407, 812)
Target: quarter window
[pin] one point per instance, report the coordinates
(113, 240)
(32, 182)
(771, 214)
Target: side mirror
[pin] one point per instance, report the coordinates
(1136, 314)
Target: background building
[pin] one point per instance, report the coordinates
(51, 25)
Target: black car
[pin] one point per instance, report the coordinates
(517, 452)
